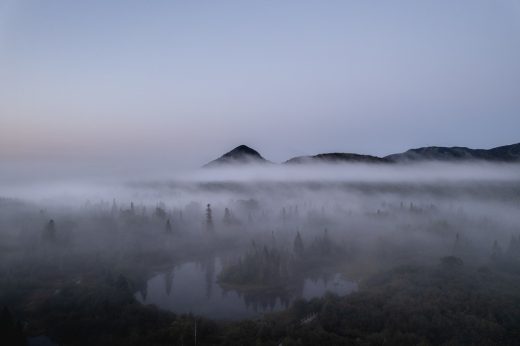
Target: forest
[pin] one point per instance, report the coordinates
(303, 261)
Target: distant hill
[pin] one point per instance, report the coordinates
(507, 153)
(337, 158)
(240, 155)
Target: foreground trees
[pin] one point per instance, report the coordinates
(11, 330)
(412, 305)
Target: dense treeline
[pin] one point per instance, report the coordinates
(259, 268)
(277, 266)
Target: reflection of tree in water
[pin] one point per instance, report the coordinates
(208, 267)
(209, 271)
(267, 300)
(143, 291)
(168, 281)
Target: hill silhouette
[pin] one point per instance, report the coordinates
(507, 153)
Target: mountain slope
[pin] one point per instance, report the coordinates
(240, 155)
(507, 153)
(337, 158)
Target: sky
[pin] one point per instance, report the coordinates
(144, 82)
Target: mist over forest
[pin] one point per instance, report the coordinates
(284, 246)
(382, 209)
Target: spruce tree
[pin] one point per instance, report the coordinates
(168, 227)
(298, 245)
(227, 217)
(49, 232)
(209, 219)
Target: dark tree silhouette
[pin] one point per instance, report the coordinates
(11, 331)
(49, 232)
(496, 253)
(514, 246)
(160, 212)
(113, 211)
(456, 244)
(298, 247)
(209, 219)
(168, 227)
(228, 220)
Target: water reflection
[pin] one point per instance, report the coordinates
(192, 288)
(168, 279)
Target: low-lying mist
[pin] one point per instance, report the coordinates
(354, 202)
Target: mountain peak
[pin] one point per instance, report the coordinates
(241, 154)
(242, 151)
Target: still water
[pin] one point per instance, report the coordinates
(192, 288)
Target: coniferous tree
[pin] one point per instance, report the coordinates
(514, 246)
(456, 245)
(209, 219)
(298, 247)
(160, 212)
(168, 227)
(113, 211)
(496, 253)
(49, 232)
(227, 217)
(326, 243)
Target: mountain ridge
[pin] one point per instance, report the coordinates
(336, 158)
(506, 153)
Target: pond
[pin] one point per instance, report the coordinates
(193, 288)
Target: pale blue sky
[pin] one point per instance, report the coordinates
(186, 81)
